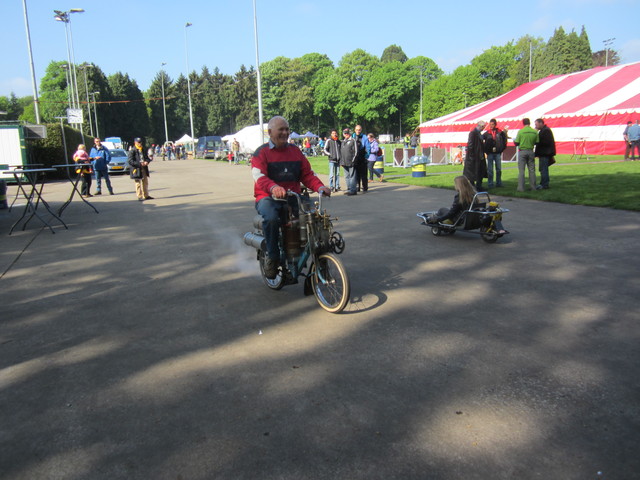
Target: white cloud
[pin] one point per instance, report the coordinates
(18, 85)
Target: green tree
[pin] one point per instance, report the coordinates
(156, 111)
(494, 65)
(96, 81)
(585, 56)
(528, 49)
(244, 95)
(128, 117)
(54, 94)
(12, 106)
(393, 53)
(605, 57)
(272, 74)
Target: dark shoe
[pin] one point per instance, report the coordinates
(98, 193)
(270, 267)
(141, 199)
(88, 195)
(111, 192)
(148, 198)
(350, 194)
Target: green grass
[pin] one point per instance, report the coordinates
(600, 184)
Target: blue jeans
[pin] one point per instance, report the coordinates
(334, 175)
(351, 178)
(543, 166)
(273, 212)
(100, 174)
(494, 158)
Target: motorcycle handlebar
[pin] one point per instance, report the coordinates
(291, 193)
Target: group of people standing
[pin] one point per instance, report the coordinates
(96, 162)
(357, 155)
(485, 147)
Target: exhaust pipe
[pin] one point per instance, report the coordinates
(254, 240)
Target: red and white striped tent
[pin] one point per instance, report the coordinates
(586, 110)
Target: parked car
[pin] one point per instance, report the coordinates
(118, 163)
(209, 147)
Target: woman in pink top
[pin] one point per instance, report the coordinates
(81, 156)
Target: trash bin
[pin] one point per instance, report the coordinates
(419, 165)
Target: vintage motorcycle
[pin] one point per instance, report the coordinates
(308, 236)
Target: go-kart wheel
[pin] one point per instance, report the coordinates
(488, 235)
(436, 231)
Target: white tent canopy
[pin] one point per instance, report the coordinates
(249, 138)
(184, 140)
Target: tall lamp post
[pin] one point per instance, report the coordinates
(607, 43)
(33, 71)
(95, 111)
(65, 17)
(186, 51)
(164, 109)
(259, 78)
(86, 87)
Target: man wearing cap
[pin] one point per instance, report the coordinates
(139, 160)
(101, 157)
(348, 155)
(278, 166)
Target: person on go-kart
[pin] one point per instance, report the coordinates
(278, 166)
(461, 202)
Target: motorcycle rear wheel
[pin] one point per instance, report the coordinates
(330, 283)
(273, 283)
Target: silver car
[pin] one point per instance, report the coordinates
(118, 163)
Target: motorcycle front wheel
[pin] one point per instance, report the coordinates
(330, 283)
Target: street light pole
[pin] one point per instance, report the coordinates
(164, 109)
(95, 112)
(65, 17)
(258, 77)
(86, 87)
(34, 86)
(186, 51)
(607, 43)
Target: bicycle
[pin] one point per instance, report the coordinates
(310, 235)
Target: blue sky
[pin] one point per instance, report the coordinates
(136, 36)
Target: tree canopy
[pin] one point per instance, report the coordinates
(381, 93)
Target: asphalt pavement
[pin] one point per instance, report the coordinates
(141, 343)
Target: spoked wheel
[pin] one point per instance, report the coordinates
(273, 283)
(489, 235)
(330, 283)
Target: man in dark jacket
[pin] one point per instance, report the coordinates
(348, 155)
(495, 141)
(138, 161)
(545, 151)
(332, 150)
(475, 165)
(101, 157)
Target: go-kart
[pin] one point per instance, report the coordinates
(480, 218)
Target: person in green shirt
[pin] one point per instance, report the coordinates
(526, 139)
